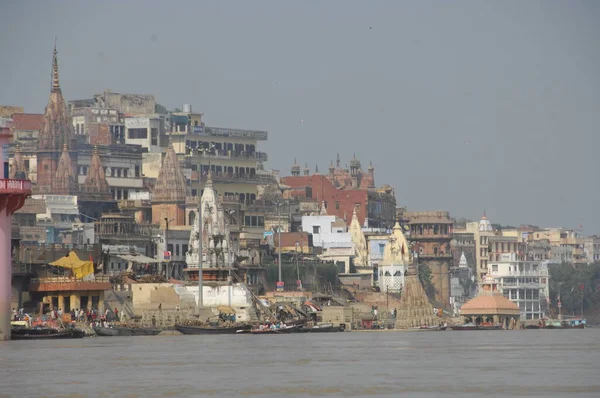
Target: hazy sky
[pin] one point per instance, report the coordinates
(463, 106)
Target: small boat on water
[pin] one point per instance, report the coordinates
(185, 329)
(322, 328)
(430, 328)
(41, 333)
(471, 326)
(576, 323)
(125, 331)
(283, 330)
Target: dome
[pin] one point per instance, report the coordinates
(490, 305)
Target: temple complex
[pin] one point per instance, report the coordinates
(168, 196)
(490, 307)
(396, 258)
(56, 134)
(215, 237)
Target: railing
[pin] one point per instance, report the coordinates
(537, 273)
(66, 279)
(238, 133)
(15, 186)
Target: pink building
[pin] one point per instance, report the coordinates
(12, 197)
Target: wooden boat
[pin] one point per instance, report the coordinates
(45, 334)
(212, 330)
(125, 331)
(471, 326)
(322, 328)
(577, 323)
(430, 328)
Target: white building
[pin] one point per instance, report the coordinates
(327, 231)
(396, 258)
(526, 283)
(144, 131)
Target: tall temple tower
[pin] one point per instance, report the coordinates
(95, 197)
(56, 136)
(168, 196)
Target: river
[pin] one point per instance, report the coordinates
(531, 363)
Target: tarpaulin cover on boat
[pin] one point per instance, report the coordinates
(80, 268)
(225, 310)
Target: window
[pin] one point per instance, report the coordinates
(184, 249)
(137, 171)
(154, 136)
(170, 248)
(494, 267)
(26, 163)
(381, 248)
(337, 205)
(316, 229)
(139, 133)
(125, 172)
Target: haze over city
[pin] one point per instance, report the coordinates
(465, 107)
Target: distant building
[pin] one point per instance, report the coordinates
(431, 234)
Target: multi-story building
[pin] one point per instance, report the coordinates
(567, 245)
(526, 283)
(231, 154)
(431, 234)
(591, 248)
(99, 126)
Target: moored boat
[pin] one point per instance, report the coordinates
(576, 323)
(125, 331)
(184, 329)
(322, 328)
(430, 328)
(45, 334)
(282, 330)
(470, 326)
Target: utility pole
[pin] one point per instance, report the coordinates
(279, 237)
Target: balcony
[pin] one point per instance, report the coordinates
(432, 256)
(241, 178)
(15, 187)
(63, 283)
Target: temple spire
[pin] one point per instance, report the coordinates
(55, 80)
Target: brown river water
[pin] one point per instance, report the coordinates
(529, 363)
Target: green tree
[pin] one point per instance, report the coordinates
(573, 285)
(426, 279)
(158, 108)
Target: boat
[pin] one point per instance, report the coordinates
(45, 333)
(183, 329)
(576, 323)
(125, 331)
(471, 326)
(283, 330)
(322, 328)
(430, 328)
